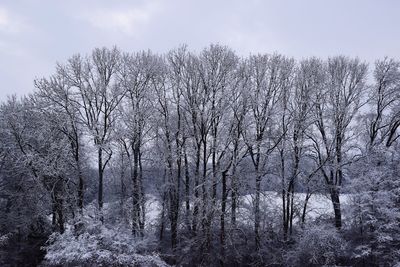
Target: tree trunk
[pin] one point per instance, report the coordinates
(80, 190)
(291, 211)
(100, 192)
(123, 189)
(174, 231)
(142, 203)
(206, 212)
(164, 198)
(75, 146)
(204, 189)
(196, 189)
(257, 216)
(303, 215)
(187, 189)
(234, 196)
(174, 209)
(60, 214)
(135, 193)
(336, 207)
(223, 211)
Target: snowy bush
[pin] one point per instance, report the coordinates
(317, 245)
(374, 209)
(109, 247)
(4, 239)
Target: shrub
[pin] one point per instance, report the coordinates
(100, 245)
(317, 245)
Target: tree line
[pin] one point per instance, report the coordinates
(199, 131)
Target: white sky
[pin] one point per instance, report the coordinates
(35, 34)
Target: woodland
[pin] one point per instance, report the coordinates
(203, 159)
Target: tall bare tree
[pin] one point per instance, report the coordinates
(268, 78)
(336, 106)
(57, 93)
(136, 77)
(384, 120)
(97, 92)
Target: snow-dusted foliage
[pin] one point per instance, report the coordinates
(375, 210)
(317, 246)
(99, 245)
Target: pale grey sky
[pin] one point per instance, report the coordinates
(35, 34)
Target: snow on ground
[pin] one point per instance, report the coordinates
(271, 202)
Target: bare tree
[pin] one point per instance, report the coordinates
(235, 149)
(97, 93)
(57, 93)
(41, 150)
(336, 105)
(384, 119)
(136, 78)
(268, 78)
(216, 69)
(296, 120)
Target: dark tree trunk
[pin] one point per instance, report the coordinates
(257, 215)
(204, 189)
(135, 193)
(222, 220)
(142, 203)
(75, 148)
(164, 199)
(174, 209)
(303, 215)
(234, 196)
(196, 189)
(100, 166)
(336, 207)
(60, 214)
(187, 189)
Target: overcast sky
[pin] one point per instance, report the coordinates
(34, 35)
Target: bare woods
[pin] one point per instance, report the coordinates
(206, 159)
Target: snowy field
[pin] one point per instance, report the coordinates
(271, 202)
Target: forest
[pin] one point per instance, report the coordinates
(203, 158)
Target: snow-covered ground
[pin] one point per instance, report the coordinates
(271, 202)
